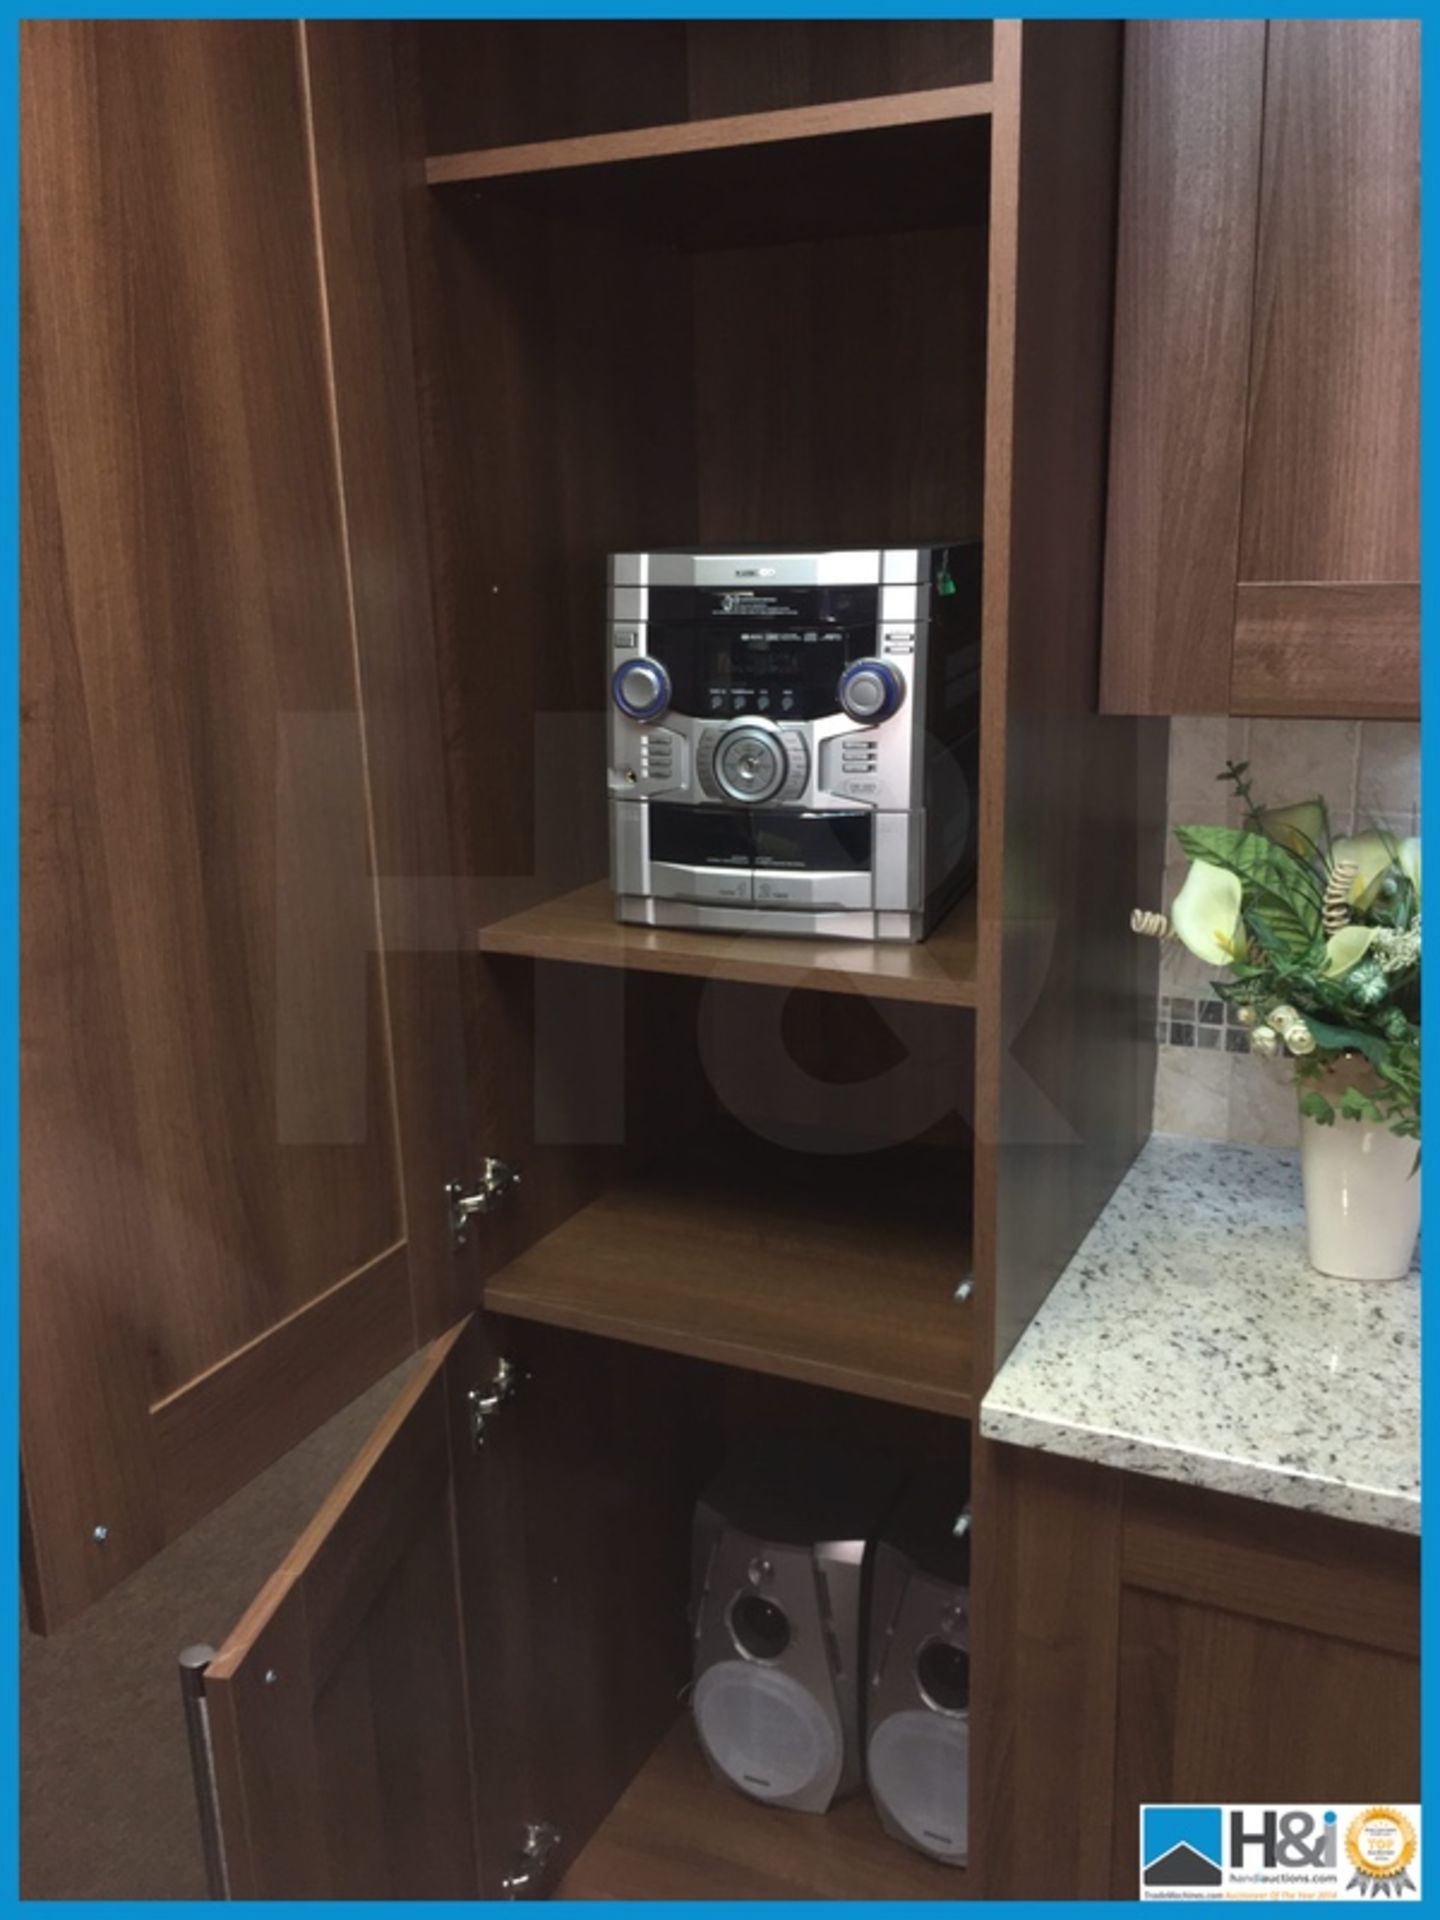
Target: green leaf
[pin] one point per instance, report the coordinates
(1318, 1108)
(1356, 1105)
(1276, 884)
(1348, 1039)
(1274, 946)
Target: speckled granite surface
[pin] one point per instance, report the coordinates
(1189, 1338)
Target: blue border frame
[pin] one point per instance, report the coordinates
(9, 758)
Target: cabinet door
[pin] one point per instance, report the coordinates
(1166, 1642)
(1262, 551)
(1184, 280)
(1327, 613)
(469, 1643)
(1213, 1706)
(241, 1055)
(338, 1706)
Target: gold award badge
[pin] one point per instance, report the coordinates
(1381, 1844)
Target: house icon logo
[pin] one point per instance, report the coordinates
(1181, 1847)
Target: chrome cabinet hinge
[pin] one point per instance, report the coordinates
(485, 1402)
(495, 1182)
(540, 1842)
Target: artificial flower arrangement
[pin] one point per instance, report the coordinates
(1321, 939)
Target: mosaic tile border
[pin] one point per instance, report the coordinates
(1182, 1020)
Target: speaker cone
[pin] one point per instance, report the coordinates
(758, 1627)
(943, 1672)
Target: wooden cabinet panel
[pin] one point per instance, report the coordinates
(366, 136)
(338, 1704)
(1262, 550)
(1168, 1643)
(1044, 1663)
(1214, 1706)
(1189, 172)
(219, 744)
(467, 1639)
(1332, 457)
(1327, 649)
(1275, 1564)
(1064, 1082)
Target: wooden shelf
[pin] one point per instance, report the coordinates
(709, 136)
(837, 1269)
(680, 1834)
(906, 163)
(581, 927)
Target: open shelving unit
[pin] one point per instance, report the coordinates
(521, 295)
(747, 284)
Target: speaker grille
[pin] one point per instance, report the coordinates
(763, 1730)
(920, 1774)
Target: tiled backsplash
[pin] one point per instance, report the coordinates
(1209, 1083)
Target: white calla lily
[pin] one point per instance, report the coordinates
(1303, 829)
(1371, 853)
(1206, 914)
(1409, 863)
(1346, 949)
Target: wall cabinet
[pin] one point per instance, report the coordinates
(351, 351)
(1263, 542)
(1199, 1648)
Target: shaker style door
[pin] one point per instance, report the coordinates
(338, 1709)
(1327, 614)
(1262, 547)
(242, 1071)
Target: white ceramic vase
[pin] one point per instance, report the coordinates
(1362, 1192)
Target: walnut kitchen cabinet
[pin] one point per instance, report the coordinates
(1262, 551)
(1194, 1647)
(351, 350)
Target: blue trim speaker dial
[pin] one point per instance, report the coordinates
(641, 688)
(871, 690)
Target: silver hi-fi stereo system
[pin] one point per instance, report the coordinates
(794, 738)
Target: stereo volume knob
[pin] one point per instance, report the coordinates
(641, 689)
(751, 763)
(871, 690)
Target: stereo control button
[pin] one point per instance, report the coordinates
(657, 757)
(706, 886)
(871, 690)
(705, 764)
(641, 689)
(798, 756)
(816, 892)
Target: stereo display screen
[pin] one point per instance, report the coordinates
(779, 653)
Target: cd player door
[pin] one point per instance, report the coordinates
(765, 857)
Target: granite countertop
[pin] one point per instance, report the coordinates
(1190, 1338)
